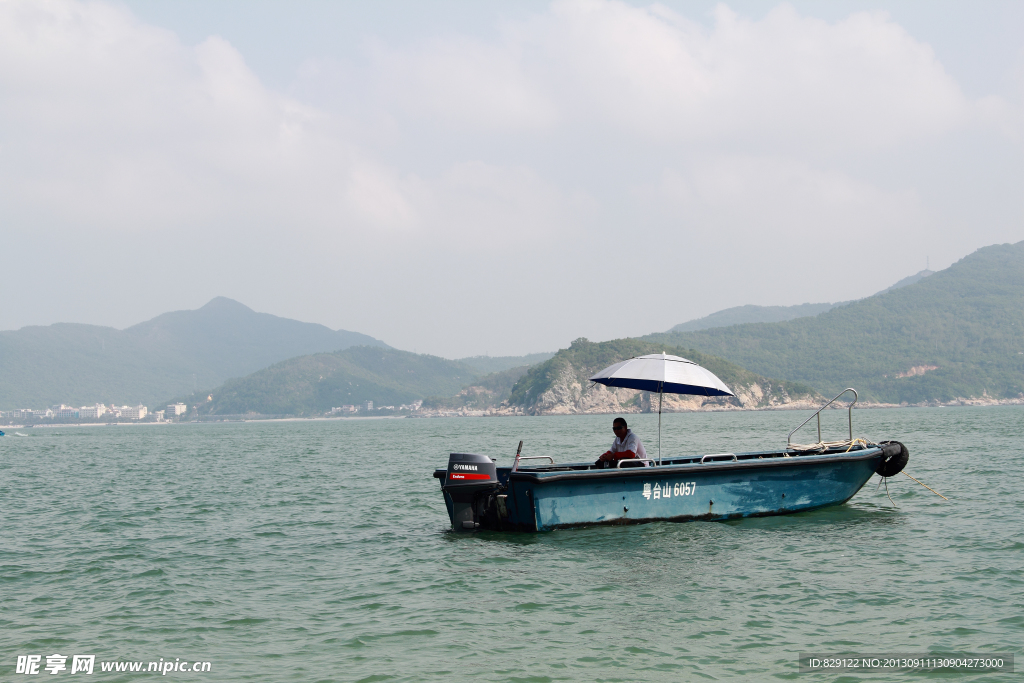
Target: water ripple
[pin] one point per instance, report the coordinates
(321, 551)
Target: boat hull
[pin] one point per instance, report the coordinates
(543, 499)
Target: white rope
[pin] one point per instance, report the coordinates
(823, 446)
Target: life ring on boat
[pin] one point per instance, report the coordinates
(895, 458)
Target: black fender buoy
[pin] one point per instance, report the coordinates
(895, 457)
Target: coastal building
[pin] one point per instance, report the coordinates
(368, 405)
(22, 414)
(133, 412)
(92, 412)
(175, 409)
(63, 412)
(340, 410)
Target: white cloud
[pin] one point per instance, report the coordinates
(544, 150)
(375, 195)
(653, 75)
(463, 82)
(115, 123)
(809, 222)
(105, 111)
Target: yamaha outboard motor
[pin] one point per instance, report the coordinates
(470, 483)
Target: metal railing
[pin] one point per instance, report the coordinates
(628, 460)
(817, 413)
(718, 455)
(520, 458)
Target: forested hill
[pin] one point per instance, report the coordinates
(561, 385)
(313, 384)
(485, 365)
(738, 315)
(147, 363)
(956, 334)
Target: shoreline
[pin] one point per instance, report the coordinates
(796, 405)
(193, 422)
(961, 403)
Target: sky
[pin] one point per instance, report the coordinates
(465, 178)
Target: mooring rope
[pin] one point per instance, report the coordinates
(886, 480)
(930, 489)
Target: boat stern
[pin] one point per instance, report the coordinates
(469, 485)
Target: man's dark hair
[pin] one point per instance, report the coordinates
(620, 421)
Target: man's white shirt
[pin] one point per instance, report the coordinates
(631, 442)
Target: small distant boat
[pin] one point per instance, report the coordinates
(2, 433)
(717, 486)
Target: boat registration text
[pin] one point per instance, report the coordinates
(659, 491)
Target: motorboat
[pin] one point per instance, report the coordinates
(542, 496)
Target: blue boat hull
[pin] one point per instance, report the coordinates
(754, 484)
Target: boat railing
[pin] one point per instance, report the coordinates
(817, 413)
(650, 463)
(519, 458)
(718, 455)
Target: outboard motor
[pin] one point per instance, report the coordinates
(470, 483)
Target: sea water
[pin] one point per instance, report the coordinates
(321, 551)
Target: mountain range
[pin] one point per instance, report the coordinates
(147, 363)
(313, 384)
(958, 333)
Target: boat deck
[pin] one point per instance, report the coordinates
(712, 461)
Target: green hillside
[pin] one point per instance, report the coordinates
(584, 358)
(487, 391)
(957, 333)
(739, 315)
(146, 363)
(313, 384)
(487, 364)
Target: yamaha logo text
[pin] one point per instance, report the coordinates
(464, 467)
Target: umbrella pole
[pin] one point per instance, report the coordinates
(660, 392)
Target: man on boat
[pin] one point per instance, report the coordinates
(625, 446)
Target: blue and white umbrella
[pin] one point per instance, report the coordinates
(662, 373)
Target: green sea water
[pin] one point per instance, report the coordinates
(320, 551)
